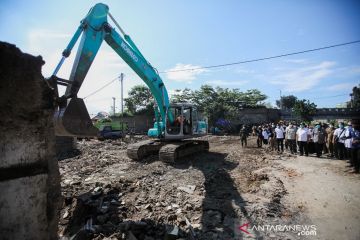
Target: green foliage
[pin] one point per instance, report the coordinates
(355, 97)
(304, 109)
(215, 103)
(126, 114)
(140, 100)
(287, 102)
(219, 103)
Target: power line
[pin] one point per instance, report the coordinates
(101, 88)
(339, 95)
(236, 63)
(262, 59)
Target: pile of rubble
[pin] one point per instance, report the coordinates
(109, 196)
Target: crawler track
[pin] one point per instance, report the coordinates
(167, 151)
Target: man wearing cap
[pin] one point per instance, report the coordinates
(319, 139)
(302, 139)
(339, 140)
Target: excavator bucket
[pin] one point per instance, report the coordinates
(74, 120)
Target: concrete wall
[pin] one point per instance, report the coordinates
(260, 115)
(140, 123)
(29, 176)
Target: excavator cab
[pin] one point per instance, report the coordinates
(186, 122)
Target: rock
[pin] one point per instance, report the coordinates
(114, 202)
(147, 206)
(67, 181)
(188, 189)
(66, 214)
(172, 232)
(172, 217)
(174, 205)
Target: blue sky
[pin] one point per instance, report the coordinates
(183, 34)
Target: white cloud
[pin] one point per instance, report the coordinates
(304, 78)
(242, 70)
(226, 83)
(106, 66)
(184, 76)
(39, 38)
(296, 60)
(341, 86)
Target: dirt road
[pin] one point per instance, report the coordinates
(228, 193)
(329, 195)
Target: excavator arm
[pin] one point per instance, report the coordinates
(72, 118)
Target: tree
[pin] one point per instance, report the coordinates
(287, 102)
(215, 103)
(140, 100)
(253, 97)
(182, 95)
(355, 97)
(304, 109)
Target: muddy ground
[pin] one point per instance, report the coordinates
(205, 196)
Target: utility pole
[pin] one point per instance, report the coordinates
(280, 101)
(121, 78)
(114, 106)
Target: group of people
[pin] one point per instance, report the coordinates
(319, 138)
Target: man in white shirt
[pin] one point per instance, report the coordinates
(265, 135)
(302, 139)
(339, 141)
(348, 141)
(279, 132)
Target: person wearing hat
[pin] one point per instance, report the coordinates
(339, 140)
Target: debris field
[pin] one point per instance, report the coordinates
(106, 195)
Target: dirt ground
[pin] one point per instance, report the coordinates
(228, 193)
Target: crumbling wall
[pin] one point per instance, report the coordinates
(29, 175)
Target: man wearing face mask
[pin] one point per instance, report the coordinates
(329, 140)
(291, 138)
(302, 139)
(355, 146)
(348, 140)
(339, 140)
(319, 139)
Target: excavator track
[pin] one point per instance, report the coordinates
(172, 152)
(168, 151)
(142, 149)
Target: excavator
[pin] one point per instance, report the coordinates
(177, 126)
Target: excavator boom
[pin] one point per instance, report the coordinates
(94, 28)
(72, 118)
